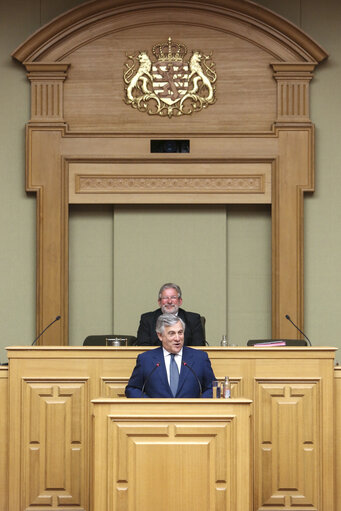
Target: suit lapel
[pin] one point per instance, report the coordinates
(184, 373)
(158, 358)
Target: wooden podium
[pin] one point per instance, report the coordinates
(171, 455)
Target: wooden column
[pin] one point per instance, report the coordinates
(293, 175)
(44, 175)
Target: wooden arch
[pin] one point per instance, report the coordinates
(85, 145)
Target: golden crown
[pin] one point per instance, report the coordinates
(169, 51)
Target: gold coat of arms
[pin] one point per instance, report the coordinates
(169, 85)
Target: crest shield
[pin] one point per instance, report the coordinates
(170, 80)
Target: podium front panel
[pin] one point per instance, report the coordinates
(173, 455)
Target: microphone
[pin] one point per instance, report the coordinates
(147, 379)
(48, 326)
(291, 321)
(196, 377)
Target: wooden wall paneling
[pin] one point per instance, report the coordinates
(295, 381)
(49, 435)
(288, 444)
(75, 65)
(55, 441)
(292, 426)
(4, 431)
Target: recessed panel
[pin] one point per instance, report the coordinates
(181, 469)
(180, 465)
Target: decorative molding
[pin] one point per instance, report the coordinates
(170, 184)
(47, 91)
(293, 91)
(85, 17)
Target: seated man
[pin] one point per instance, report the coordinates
(173, 370)
(169, 301)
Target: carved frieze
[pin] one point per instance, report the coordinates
(170, 184)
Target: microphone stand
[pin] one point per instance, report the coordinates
(48, 326)
(291, 321)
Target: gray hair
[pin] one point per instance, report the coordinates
(170, 285)
(167, 320)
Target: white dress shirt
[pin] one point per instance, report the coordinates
(177, 358)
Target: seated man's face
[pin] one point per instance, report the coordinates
(173, 338)
(169, 301)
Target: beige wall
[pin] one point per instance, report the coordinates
(220, 257)
(186, 245)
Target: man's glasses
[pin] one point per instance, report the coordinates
(166, 298)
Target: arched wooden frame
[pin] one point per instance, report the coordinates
(87, 163)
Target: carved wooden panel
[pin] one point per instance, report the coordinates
(287, 444)
(175, 181)
(149, 453)
(54, 444)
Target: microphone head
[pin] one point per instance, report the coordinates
(58, 318)
(287, 317)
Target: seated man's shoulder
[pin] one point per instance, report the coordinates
(192, 317)
(192, 314)
(150, 315)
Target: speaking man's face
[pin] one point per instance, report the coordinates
(172, 338)
(169, 301)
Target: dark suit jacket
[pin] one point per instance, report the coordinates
(147, 336)
(150, 371)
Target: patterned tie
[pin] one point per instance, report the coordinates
(173, 375)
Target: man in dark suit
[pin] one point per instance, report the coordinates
(169, 301)
(172, 370)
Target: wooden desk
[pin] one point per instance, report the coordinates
(292, 426)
